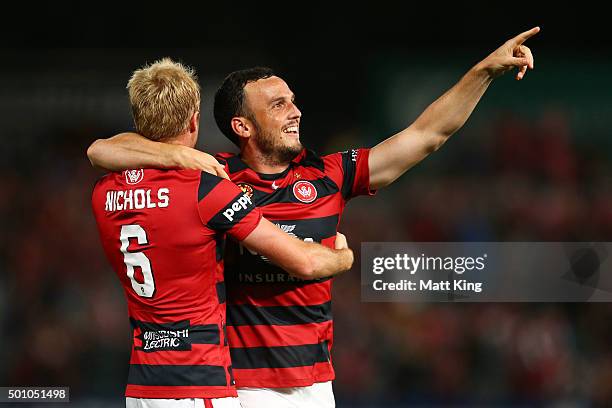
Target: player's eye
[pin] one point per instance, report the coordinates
(278, 104)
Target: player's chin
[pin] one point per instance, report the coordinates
(292, 141)
(296, 146)
(291, 137)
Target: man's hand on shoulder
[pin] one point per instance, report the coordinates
(188, 158)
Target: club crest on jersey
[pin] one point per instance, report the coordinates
(134, 176)
(305, 191)
(246, 189)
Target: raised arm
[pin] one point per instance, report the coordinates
(391, 158)
(132, 151)
(305, 260)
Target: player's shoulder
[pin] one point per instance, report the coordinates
(349, 155)
(332, 161)
(310, 158)
(101, 184)
(332, 156)
(210, 182)
(113, 179)
(232, 162)
(224, 156)
(208, 178)
(104, 178)
(348, 152)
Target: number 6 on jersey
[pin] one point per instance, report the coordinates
(139, 259)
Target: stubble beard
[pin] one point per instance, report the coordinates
(273, 152)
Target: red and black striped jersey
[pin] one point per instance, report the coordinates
(280, 328)
(163, 233)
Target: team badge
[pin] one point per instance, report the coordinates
(246, 189)
(134, 176)
(305, 191)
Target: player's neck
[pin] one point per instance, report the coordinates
(184, 139)
(262, 163)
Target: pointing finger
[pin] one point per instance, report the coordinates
(522, 37)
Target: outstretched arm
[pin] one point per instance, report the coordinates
(132, 151)
(305, 260)
(391, 158)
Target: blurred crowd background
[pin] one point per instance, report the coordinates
(534, 163)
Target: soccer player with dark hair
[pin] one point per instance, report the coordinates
(163, 231)
(279, 328)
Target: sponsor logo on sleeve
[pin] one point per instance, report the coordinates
(240, 204)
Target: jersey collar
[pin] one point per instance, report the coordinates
(235, 164)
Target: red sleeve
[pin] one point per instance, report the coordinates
(224, 208)
(350, 171)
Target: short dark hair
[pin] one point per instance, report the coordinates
(229, 98)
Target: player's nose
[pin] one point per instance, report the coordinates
(295, 113)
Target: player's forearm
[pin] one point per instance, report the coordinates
(450, 112)
(395, 155)
(327, 262)
(304, 260)
(131, 151)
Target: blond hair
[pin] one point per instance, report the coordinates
(164, 96)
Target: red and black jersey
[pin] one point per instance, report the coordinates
(163, 232)
(279, 327)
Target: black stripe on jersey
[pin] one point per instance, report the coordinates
(311, 159)
(207, 183)
(325, 187)
(279, 357)
(221, 291)
(249, 315)
(231, 375)
(204, 334)
(176, 336)
(230, 215)
(349, 166)
(316, 228)
(235, 164)
(225, 334)
(177, 375)
(219, 247)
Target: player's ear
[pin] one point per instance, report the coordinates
(194, 122)
(242, 126)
